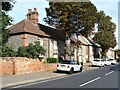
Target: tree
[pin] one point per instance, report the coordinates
(5, 20)
(7, 51)
(105, 35)
(71, 18)
(62, 16)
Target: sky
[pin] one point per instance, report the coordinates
(20, 9)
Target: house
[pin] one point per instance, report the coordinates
(96, 48)
(54, 41)
(84, 51)
(29, 31)
(111, 53)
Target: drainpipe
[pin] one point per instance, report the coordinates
(88, 54)
(48, 47)
(13, 67)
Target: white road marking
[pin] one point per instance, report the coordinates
(89, 81)
(109, 73)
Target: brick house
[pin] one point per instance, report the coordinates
(29, 31)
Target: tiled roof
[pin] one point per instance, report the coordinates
(26, 26)
(53, 33)
(93, 43)
(84, 40)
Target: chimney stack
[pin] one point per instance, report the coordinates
(33, 16)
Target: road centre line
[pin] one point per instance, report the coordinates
(109, 73)
(89, 81)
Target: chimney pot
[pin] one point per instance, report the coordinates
(29, 10)
(35, 9)
(33, 15)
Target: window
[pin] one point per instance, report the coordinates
(40, 40)
(55, 44)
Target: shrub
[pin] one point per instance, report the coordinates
(60, 59)
(31, 51)
(39, 48)
(22, 52)
(7, 51)
(52, 60)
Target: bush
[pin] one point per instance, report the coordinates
(22, 52)
(60, 59)
(31, 51)
(7, 51)
(52, 60)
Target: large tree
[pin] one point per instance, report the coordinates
(5, 20)
(71, 18)
(105, 35)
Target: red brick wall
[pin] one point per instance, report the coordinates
(22, 65)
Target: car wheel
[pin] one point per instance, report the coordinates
(103, 65)
(71, 71)
(81, 68)
(58, 71)
(100, 66)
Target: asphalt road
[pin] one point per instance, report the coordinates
(105, 77)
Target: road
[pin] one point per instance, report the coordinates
(105, 77)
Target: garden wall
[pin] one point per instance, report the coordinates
(22, 65)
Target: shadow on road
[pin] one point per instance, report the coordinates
(115, 68)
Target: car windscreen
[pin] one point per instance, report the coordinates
(110, 59)
(96, 60)
(67, 62)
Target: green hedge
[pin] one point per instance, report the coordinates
(52, 60)
(31, 51)
(7, 51)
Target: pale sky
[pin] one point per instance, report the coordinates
(20, 9)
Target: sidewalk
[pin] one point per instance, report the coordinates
(11, 80)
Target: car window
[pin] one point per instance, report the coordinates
(76, 63)
(72, 62)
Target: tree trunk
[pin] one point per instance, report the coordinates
(67, 48)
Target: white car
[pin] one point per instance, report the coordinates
(69, 66)
(107, 62)
(98, 62)
(113, 61)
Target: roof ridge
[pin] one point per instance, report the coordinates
(24, 28)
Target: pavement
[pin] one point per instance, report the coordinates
(12, 80)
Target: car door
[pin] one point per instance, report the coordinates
(77, 66)
(102, 62)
